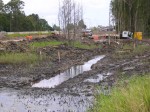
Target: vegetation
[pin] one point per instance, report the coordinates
(24, 35)
(45, 43)
(71, 18)
(18, 58)
(29, 57)
(128, 50)
(132, 15)
(83, 46)
(134, 97)
(13, 18)
(76, 44)
(16, 35)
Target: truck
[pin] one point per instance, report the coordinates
(126, 35)
(87, 33)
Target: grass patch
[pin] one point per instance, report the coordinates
(18, 58)
(78, 44)
(134, 97)
(24, 35)
(16, 35)
(45, 43)
(140, 49)
(129, 51)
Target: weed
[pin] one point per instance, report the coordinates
(26, 34)
(129, 51)
(134, 97)
(83, 46)
(44, 44)
(18, 58)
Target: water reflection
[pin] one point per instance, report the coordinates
(70, 73)
(98, 78)
(95, 79)
(11, 101)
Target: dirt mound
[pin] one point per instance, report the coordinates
(12, 46)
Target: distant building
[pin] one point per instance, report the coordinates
(105, 28)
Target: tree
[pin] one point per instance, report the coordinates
(14, 6)
(4, 22)
(55, 27)
(38, 23)
(69, 16)
(1, 6)
(43, 25)
(81, 24)
(13, 18)
(131, 15)
(14, 9)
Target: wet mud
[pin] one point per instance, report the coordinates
(71, 85)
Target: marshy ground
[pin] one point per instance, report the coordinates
(24, 64)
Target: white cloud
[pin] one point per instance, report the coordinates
(96, 12)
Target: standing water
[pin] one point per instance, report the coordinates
(37, 100)
(70, 73)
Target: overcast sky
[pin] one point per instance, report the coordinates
(96, 12)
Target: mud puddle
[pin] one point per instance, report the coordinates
(78, 98)
(70, 73)
(97, 78)
(12, 101)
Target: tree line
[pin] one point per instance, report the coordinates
(132, 15)
(70, 18)
(13, 18)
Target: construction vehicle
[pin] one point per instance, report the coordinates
(87, 33)
(130, 35)
(126, 35)
(138, 35)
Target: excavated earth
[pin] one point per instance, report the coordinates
(75, 94)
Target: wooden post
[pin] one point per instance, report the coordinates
(134, 43)
(40, 53)
(59, 56)
(109, 39)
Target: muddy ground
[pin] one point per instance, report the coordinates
(75, 94)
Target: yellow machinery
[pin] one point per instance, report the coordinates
(138, 35)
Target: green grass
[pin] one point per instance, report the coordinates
(138, 48)
(83, 46)
(24, 35)
(57, 43)
(16, 35)
(45, 43)
(18, 58)
(131, 97)
(130, 51)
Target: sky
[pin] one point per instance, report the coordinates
(95, 12)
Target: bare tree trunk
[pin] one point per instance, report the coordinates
(70, 15)
(59, 16)
(136, 16)
(74, 33)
